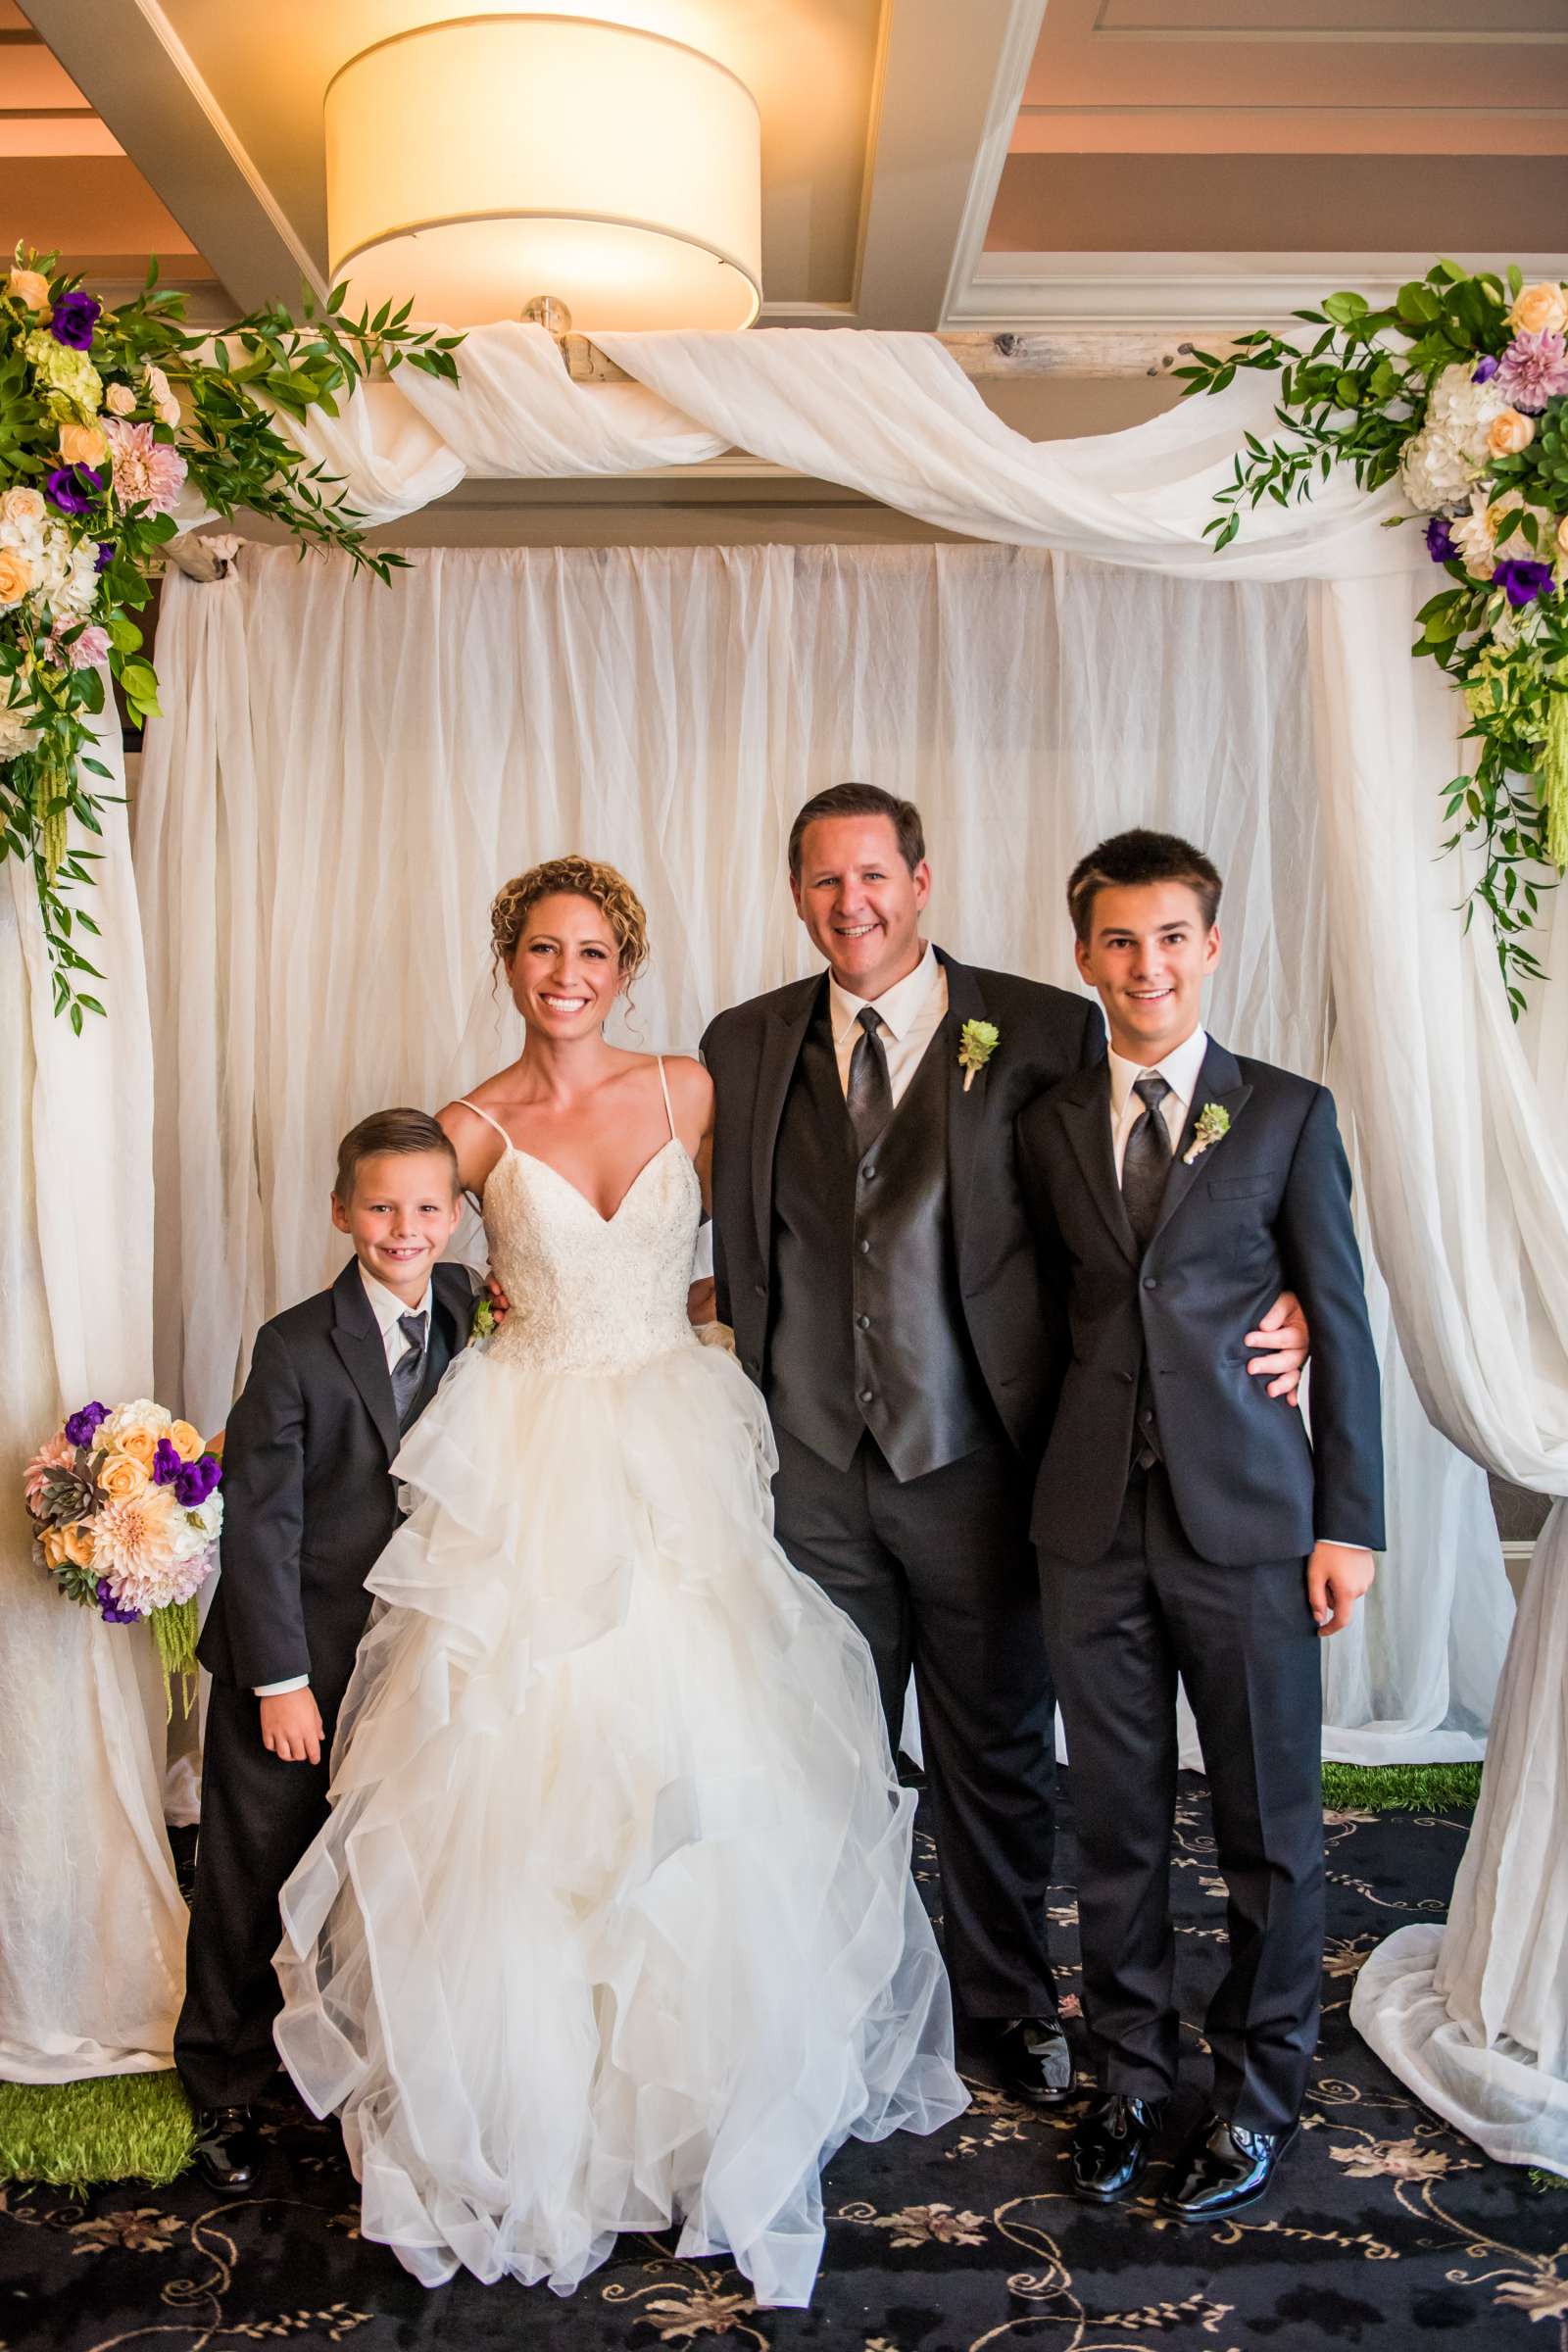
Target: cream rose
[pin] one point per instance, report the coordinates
(15, 575)
(1562, 540)
(186, 1441)
(141, 1444)
(1540, 310)
(1511, 434)
(122, 1477)
(29, 286)
(24, 509)
(82, 445)
(120, 401)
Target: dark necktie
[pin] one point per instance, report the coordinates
(1146, 1163)
(869, 1095)
(409, 1370)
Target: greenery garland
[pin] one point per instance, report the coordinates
(105, 416)
(1459, 389)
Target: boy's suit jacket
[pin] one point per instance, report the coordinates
(1266, 1208)
(308, 1504)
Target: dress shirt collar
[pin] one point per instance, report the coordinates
(898, 1008)
(386, 1306)
(1181, 1070)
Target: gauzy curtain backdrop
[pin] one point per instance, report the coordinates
(348, 771)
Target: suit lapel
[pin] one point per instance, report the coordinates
(356, 1338)
(1084, 1109)
(966, 1113)
(782, 1039)
(1218, 1081)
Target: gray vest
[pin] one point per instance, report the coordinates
(868, 1330)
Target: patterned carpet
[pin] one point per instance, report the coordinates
(1386, 2229)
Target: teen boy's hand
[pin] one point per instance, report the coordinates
(1337, 1576)
(291, 1727)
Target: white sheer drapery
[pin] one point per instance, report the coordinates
(93, 1939)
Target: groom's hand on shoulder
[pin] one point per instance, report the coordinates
(1283, 1341)
(291, 1727)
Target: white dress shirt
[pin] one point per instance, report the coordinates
(1181, 1070)
(386, 1306)
(908, 1015)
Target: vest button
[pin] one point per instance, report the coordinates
(867, 1395)
(762, 1290)
(1150, 1284)
(864, 1321)
(1126, 1375)
(866, 1249)
(868, 1173)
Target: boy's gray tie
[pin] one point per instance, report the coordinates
(1146, 1163)
(409, 1370)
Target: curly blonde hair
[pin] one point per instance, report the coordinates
(578, 878)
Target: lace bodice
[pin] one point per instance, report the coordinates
(591, 1293)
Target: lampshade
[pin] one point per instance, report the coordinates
(474, 164)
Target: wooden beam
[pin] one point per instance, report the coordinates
(1084, 351)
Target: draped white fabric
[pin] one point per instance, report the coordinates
(92, 1948)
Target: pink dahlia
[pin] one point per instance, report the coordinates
(147, 472)
(1534, 370)
(88, 651)
(55, 1453)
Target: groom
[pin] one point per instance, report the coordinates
(873, 1257)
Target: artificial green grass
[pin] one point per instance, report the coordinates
(1400, 1788)
(113, 2127)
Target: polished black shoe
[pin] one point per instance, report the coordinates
(1223, 2167)
(1111, 2145)
(228, 2149)
(1029, 2057)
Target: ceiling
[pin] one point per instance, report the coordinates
(926, 162)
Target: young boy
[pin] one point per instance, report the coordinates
(1185, 1523)
(309, 1505)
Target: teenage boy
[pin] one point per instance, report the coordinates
(307, 1506)
(1186, 1523)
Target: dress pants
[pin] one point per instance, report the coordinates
(1245, 1645)
(259, 1815)
(939, 1574)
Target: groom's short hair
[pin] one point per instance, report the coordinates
(1129, 860)
(389, 1133)
(861, 800)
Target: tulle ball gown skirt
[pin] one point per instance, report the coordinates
(611, 1925)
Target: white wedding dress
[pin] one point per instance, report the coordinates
(611, 1923)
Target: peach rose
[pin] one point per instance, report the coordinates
(120, 401)
(123, 1476)
(1540, 310)
(29, 286)
(73, 1544)
(21, 508)
(15, 575)
(82, 445)
(186, 1441)
(141, 1444)
(1562, 540)
(1511, 434)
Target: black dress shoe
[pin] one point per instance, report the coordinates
(1222, 2168)
(228, 2149)
(1029, 2056)
(1111, 2145)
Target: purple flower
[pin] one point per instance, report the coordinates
(82, 1427)
(74, 489)
(168, 1463)
(196, 1482)
(1522, 579)
(74, 316)
(106, 555)
(1439, 540)
(1484, 371)
(1534, 370)
(109, 1610)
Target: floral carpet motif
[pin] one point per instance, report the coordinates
(1385, 2230)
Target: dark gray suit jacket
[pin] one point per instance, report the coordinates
(1265, 1208)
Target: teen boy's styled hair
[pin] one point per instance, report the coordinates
(861, 800)
(1129, 860)
(384, 1131)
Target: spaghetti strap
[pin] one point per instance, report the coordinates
(485, 1115)
(664, 1087)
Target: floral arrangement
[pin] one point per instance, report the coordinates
(125, 1511)
(105, 416)
(1460, 390)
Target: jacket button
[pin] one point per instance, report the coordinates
(1150, 1284)
(869, 1172)
(866, 1249)
(864, 1321)
(762, 1290)
(751, 1369)
(1126, 1375)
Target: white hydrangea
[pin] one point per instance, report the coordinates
(1463, 410)
(55, 556)
(77, 592)
(15, 737)
(1434, 471)
(140, 1413)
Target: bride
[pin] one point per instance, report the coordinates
(611, 1923)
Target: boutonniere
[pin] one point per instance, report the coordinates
(1213, 1121)
(977, 1042)
(483, 1320)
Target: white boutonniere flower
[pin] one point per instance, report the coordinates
(977, 1042)
(1213, 1121)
